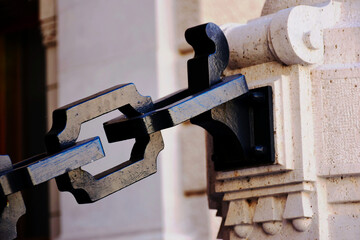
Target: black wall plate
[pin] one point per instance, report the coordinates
(251, 118)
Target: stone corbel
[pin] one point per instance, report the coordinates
(240, 217)
(268, 213)
(298, 210)
(290, 36)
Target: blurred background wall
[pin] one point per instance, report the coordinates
(88, 46)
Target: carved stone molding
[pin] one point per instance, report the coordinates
(270, 213)
(311, 192)
(289, 36)
(275, 200)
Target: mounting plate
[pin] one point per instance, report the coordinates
(252, 121)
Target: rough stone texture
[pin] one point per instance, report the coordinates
(290, 36)
(338, 41)
(294, 170)
(340, 120)
(273, 6)
(311, 192)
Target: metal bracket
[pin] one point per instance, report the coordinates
(251, 119)
(239, 121)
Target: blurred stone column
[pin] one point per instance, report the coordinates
(47, 16)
